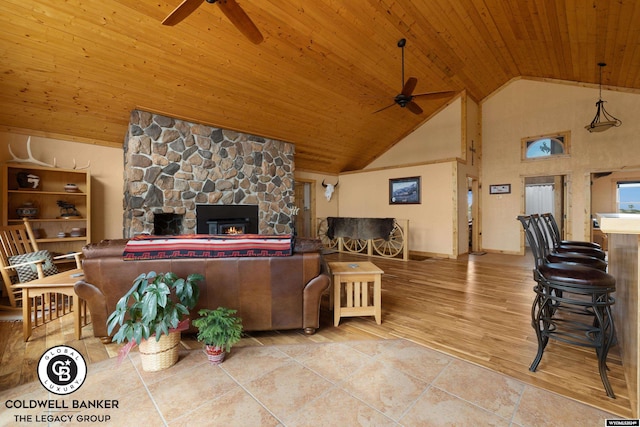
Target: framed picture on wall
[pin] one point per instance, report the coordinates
(500, 189)
(404, 191)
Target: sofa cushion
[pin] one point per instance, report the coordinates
(147, 247)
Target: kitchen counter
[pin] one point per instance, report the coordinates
(624, 242)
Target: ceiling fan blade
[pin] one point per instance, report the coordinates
(186, 8)
(241, 20)
(384, 108)
(409, 86)
(435, 95)
(413, 107)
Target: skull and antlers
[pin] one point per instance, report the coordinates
(329, 189)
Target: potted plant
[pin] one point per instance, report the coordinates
(219, 330)
(156, 304)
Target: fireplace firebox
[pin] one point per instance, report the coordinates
(167, 224)
(227, 219)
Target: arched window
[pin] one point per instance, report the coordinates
(541, 147)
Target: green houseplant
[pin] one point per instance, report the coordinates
(219, 330)
(155, 305)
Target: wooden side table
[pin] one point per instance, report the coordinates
(61, 283)
(357, 277)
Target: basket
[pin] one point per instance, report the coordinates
(158, 355)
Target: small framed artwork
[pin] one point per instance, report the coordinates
(500, 189)
(404, 191)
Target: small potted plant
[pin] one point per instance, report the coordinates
(156, 304)
(219, 330)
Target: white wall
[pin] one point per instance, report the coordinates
(366, 194)
(438, 138)
(436, 152)
(526, 108)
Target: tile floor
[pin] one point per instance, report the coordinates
(364, 383)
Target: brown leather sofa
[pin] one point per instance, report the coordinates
(270, 293)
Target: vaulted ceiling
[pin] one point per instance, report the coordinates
(76, 68)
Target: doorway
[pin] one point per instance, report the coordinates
(305, 196)
(544, 194)
(606, 197)
(472, 214)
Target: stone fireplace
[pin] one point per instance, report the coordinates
(173, 168)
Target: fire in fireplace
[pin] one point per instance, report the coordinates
(228, 226)
(227, 219)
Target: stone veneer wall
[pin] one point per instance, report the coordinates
(171, 165)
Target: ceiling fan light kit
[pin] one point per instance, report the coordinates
(602, 120)
(405, 97)
(232, 10)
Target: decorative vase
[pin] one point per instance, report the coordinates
(28, 180)
(215, 354)
(162, 354)
(27, 210)
(76, 232)
(71, 188)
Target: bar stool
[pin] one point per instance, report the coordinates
(582, 258)
(560, 246)
(572, 304)
(552, 225)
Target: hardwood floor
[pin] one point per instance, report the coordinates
(476, 308)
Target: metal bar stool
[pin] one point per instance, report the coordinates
(572, 304)
(548, 255)
(552, 225)
(560, 246)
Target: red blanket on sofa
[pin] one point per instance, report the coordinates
(148, 247)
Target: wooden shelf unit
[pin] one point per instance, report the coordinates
(50, 190)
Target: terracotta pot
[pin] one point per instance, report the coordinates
(215, 354)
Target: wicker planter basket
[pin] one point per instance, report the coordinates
(158, 355)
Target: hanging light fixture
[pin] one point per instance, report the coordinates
(603, 120)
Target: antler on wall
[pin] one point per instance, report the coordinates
(31, 159)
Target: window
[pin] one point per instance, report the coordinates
(628, 197)
(546, 146)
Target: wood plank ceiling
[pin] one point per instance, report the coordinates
(76, 68)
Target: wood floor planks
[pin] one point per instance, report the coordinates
(475, 308)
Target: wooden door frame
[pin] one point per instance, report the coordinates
(564, 222)
(312, 203)
(475, 218)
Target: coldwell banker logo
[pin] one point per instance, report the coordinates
(62, 370)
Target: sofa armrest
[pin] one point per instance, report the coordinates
(312, 295)
(97, 304)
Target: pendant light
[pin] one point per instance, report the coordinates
(603, 120)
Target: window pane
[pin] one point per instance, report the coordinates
(629, 197)
(544, 147)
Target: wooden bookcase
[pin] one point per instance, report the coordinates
(49, 221)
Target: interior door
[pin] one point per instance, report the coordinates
(545, 194)
(305, 201)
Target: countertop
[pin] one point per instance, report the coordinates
(619, 223)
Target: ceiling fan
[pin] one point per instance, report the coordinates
(405, 97)
(230, 8)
